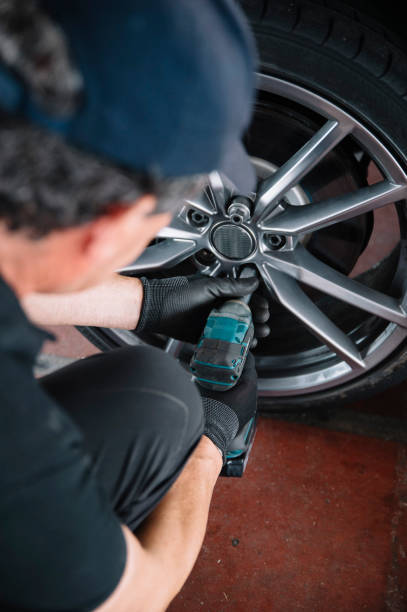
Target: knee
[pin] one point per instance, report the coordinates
(140, 392)
(171, 402)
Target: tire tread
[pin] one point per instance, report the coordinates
(343, 31)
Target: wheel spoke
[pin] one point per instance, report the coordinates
(221, 190)
(299, 304)
(164, 254)
(300, 219)
(273, 188)
(203, 202)
(173, 347)
(214, 269)
(179, 229)
(304, 267)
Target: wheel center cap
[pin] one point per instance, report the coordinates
(233, 241)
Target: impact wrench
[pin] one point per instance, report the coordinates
(218, 363)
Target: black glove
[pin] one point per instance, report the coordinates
(226, 412)
(178, 307)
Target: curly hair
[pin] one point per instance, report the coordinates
(46, 184)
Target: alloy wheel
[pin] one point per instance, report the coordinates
(221, 231)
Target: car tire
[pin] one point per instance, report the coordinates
(357, 65)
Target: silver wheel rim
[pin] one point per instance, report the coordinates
(283, 269)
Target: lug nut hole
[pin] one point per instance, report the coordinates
(275, 241)
(205, 257)
(197, 218)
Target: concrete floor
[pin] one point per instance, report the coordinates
(319, 521)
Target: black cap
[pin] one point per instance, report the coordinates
(168, 84)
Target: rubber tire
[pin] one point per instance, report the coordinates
(352, 61)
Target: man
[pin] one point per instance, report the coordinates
(108, 466)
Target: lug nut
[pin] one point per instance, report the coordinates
(197, 218)
(275, 241)
(239, 209)
(205, 257)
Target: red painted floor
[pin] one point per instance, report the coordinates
(318, 523)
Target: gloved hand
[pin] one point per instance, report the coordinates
(226, 412)
(178, 307)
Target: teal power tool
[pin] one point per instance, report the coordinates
(218, 363)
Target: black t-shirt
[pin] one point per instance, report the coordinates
(61, 546)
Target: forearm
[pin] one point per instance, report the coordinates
(114, 303)
(163, 552)
(174, 532)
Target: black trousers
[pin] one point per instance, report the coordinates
(141, 417)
